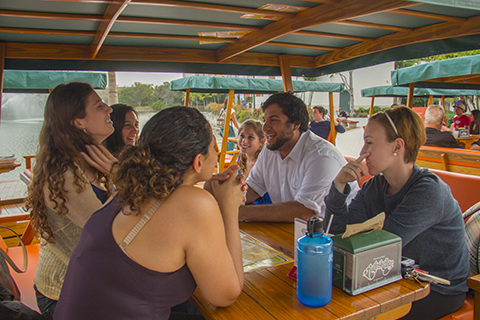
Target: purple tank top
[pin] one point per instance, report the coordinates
(102, 282)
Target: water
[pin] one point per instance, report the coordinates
(20, 137)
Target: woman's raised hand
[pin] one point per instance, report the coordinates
(223, 176)
(99, 158)
(230, 192)
(354, 170)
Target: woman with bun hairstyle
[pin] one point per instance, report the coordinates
(65, 189)
(161, 236)
(125, 122)
(418, 206)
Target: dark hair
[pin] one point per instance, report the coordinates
(409, 126)
(475, 124)
(114, 143)
(321, 110)
(167, 146)
(294, 108)
(60, 144)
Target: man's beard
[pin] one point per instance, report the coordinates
(278, 144)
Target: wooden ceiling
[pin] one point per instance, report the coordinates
(327, 35)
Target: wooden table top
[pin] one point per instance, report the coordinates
(467, 142)
(6, 167)
(270, 294)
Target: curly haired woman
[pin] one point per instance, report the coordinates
(161, 236)
(65, 189)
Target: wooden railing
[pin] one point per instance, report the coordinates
(449, 159)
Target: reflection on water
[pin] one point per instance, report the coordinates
(20, 137)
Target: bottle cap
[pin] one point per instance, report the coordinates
(314, 225)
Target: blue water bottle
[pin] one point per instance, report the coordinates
(314, 265)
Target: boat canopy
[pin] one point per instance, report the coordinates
(390, 91)
(205, 84)
(457, 73)
(29, 81)
(309, 38)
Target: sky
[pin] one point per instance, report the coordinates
(126, 79)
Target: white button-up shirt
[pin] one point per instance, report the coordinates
(305, 175)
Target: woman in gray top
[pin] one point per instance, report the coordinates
(418, 205)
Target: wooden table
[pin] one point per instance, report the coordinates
(467, 142)
(271, 294)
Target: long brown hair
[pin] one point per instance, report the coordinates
(258, 127)
(60, 145)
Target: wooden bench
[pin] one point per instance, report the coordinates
(449, 159)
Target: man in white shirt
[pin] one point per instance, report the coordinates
(296, 168)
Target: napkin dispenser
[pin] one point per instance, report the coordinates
(365, 261)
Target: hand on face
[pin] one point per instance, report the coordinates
(354, 170)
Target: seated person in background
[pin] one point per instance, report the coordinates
(476, 145)
(461, 120)
(296, 168)
(475, 124)
(148, 248)
(418, 205)
(433, 126)
(65, 190)
(251, 140)
(320, 126)
(125, 122)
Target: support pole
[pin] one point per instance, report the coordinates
(430, 100)
(286, 74)
(2, 66)
(187, 97)
(332, 119)
(371, 107)
(226, 127)
(411, 89)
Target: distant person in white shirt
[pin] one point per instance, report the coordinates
(296, 168)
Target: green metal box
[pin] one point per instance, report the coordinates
(366, 261)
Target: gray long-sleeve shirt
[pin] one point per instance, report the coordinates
(423, 213)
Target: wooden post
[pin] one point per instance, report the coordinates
(371, 107)
(187, 97)
(2, 66)
(226, 127)
(430, 100)
(411, 89)
(444, 109)
(286, 74)
(332, 119)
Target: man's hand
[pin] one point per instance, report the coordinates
(99, 158)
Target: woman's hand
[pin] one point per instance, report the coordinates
(99, 158)
(223, 176)
(229, 192)
(354, 170)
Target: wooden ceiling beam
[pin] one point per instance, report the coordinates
(48, 32)
(427, 15)
(433, 32)
(49, 51)
(47, 15)
(308, 18)
(112, 12)
(373, 25)
(215, 7)
(302, 46)
(331, 35)
(188, 23)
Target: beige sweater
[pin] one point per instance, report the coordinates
(54, 257)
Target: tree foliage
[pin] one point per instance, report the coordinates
(408, 63)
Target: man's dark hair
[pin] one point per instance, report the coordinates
(321, 110)
(294, 108)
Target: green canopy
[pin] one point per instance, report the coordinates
(28, 81)
(389, 91)
(249, 85)
(457, 73)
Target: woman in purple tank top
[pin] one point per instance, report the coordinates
(161, 235)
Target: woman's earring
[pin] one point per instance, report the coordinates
(394, 153)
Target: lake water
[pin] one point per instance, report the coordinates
(20, 137)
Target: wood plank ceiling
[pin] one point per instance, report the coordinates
(261, 45)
